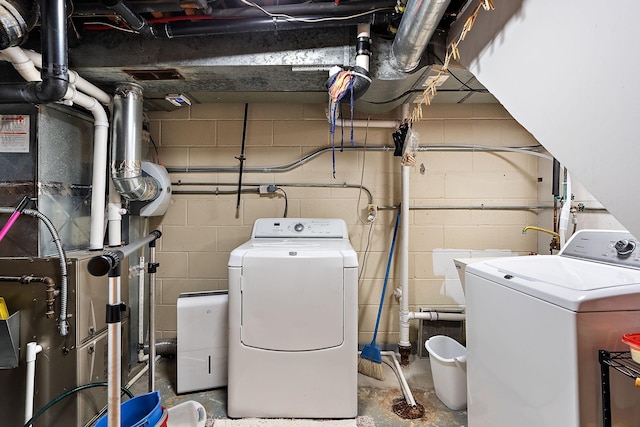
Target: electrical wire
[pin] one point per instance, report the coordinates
(69, 393)
(312, 20)
(95, 25)
(286, 202)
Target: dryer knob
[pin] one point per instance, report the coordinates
(298, 227)
(624, 247)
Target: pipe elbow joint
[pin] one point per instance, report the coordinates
(51, 89)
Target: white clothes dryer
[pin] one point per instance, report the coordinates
(293, 321)
(534, 328)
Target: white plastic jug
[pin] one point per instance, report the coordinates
(448, 359)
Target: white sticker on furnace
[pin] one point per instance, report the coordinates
(14, 134)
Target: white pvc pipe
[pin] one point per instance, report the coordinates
(404, 260)
(33, 349)
(114, 216)
(364, 30)
(403, 381)
(99, 178)
(21, 63)
(436, 315)
(74, 79)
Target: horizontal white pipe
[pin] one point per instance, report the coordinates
(21, 63)
(435, 315)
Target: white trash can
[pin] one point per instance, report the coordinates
(448, 359)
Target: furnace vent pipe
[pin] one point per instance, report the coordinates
(419, 22)
(126, 145)
(55, 77)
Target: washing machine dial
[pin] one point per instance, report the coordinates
(298, 227)
(624, 247)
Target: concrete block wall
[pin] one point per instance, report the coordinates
(199, 231)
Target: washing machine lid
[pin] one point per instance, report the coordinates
(575, 284)
(292, 300)
(280, 248)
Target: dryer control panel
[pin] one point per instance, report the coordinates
(606, 246)
(300, 228)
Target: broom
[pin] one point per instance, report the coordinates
(370, 361)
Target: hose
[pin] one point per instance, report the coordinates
(69, 393)
(62, 325)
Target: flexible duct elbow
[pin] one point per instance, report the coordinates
(126, 149)
(55, 76)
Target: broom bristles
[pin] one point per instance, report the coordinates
(370, 368)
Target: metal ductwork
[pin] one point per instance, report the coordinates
(55, 71)
(126, 146)
(17, 17)
(419, 22)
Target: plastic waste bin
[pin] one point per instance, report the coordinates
(448, 359)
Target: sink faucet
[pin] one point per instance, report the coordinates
(555, 240)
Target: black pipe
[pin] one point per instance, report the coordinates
(55, 70)
(555, 184)
(102, 264)
(135, 21)
(324, 8)
(259, 24)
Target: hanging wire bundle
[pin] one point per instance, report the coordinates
(340, 84)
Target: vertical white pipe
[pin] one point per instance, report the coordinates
(404, 260)
(32, 350)
(114, 368)
(114, 216)
(364, 30)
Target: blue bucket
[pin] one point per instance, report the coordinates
(141, 411)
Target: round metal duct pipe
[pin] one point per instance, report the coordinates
(17, 17)
(420, 20)
(126, 145)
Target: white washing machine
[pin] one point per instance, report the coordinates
(293, 321)
(534, 328)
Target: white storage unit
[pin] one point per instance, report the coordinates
(534, 328)
(202, 348)
(293, 325)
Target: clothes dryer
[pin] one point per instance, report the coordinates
(293, 325)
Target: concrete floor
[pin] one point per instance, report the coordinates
(375, 398)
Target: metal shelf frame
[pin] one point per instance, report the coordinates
(620, 361)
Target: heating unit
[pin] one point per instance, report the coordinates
(293, 306)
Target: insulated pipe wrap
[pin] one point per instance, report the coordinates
(126, 149)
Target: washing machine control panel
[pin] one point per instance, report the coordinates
(300, 227)
(611, 247)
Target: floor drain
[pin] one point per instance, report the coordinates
(406, 411)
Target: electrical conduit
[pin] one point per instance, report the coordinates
(62, 325)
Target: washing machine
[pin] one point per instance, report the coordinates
(293, 325)
(534, 328)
